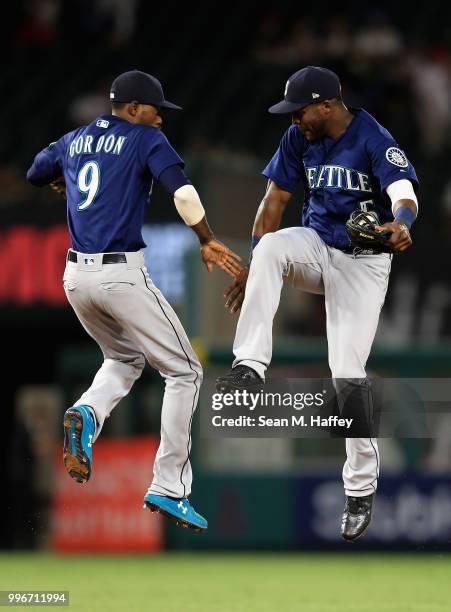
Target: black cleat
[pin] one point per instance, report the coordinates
(240, 377)
(356, 516)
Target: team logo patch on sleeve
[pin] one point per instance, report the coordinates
(396, 157)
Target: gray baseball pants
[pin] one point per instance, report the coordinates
(354, 290)
(131, 321)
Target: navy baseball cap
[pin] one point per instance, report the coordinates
(137, 86)
(306, 86)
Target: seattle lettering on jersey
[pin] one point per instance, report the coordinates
(337, 177)
(89, 144)
(340, 175)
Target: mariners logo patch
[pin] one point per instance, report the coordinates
(396, 157)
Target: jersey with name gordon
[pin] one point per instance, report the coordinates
(108, 166)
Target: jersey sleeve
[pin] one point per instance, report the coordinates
(286, 168)
(47, 165)
(161, 155)
(173, 178)
(390, 163)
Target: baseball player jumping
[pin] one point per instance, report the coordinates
(346, 161)
(106, 169)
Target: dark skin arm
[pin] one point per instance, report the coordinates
(268, 219)
(400, 240)
(214, 252)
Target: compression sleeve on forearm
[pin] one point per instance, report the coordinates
(188, 205)
(401, 190)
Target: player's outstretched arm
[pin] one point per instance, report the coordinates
(234, 294)
(213, 252)
(267, 219)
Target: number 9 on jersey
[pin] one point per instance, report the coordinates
(88, 181)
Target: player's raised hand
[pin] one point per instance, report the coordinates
(400, 239)
(59, 185)
(216, 253)
(235, 293)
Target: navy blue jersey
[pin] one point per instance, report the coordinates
(109, 166)
(341, 175)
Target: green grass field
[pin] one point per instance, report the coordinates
(238, 582)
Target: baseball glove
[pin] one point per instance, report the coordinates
(59, 185)
(360, 228)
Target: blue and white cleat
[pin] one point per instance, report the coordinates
(79, 429)
(176, 509)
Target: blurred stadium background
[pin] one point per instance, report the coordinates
(225, 69)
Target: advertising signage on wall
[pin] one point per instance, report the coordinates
(107, 515)
(32, 263)
(31, 266)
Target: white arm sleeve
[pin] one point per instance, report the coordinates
(188, 205)
(401, 190)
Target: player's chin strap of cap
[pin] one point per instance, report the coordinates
(188, 205)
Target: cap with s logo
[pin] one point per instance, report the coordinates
(306, 86)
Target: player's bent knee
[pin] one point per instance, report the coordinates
(269, 246)
(136, 362)
(193, 377)
(350, 366)
(193, 372)
(199, 374)
(349, 374)
(139, 362)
